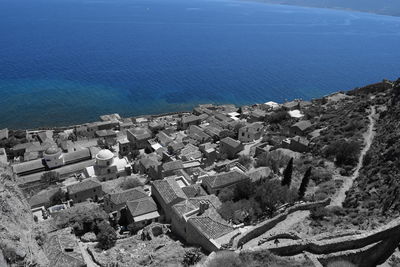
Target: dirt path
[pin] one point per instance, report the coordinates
(86, 256)
(247, 147)
(348, 181)
(337, 200)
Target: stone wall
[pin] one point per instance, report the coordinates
(271, 223)
(366, 249)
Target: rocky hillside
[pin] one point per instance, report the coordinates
(376, 192)
(20, 239)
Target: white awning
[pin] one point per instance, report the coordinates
(156, 146)
(148, 216)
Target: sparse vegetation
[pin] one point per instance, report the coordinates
(130, 182)
(50, 177)
(82, 217)
(253, 259)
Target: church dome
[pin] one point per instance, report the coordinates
(105, 154)
(52, 150)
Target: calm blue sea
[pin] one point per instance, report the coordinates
(68, 61)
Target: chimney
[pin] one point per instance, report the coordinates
(195, 176)
(204, 205)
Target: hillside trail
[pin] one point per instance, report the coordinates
(337, 200)
(340, 196)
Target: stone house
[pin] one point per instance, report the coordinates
(141, 212)
(109, 137)
(292, 105)
(124, 147)
(197, 221)
(190, 152)
(256, 115)
(214, 184)
(297, 144)
(174, 147)
(250, 133)
(114, 202)
(167, 193)
(3, 156)
(164, 138)
(4, 134)
(62, 249)
(139, 137)
(169, 168)
(230, 147)
(91, 128)
(300, 128)
(198, 134)
(88, 188)
(186, 121)
(150, 167)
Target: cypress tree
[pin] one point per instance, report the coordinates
(304, 183)
(287, 174)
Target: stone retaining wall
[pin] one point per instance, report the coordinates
(271, 223)
(366, 249)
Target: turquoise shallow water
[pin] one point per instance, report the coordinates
(68, 61)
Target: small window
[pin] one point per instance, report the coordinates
(94, 190)
(108, 170)
(69, 250)
(243, 134)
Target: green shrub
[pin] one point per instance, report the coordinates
(320, 175)
(106, 236)
(131, 182)
(318, 213)
(278, 117)
(82, 218)
(225, 258)
(245, 160)
(226, 194)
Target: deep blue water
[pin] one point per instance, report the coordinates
(68, 61)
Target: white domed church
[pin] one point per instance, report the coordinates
(107, 166)
(53, 157)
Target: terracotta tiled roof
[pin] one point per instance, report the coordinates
(169, 190)
(164, 138)
(231, 142)
(194, 203)
(184, 207)
(302, 125)
(190, 118)
(140, 133)
(224, 179)
(127, 195)
(194, 190)
(77, 156)
(172, 165)
(43, 198)
(62, 250)
(86, 184)
(141, 206)
(209, 227)
(28, 167)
